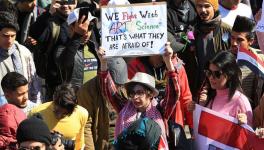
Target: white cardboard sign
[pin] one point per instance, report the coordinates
(134, 30)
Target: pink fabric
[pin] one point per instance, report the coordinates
(128, 115)
(238, 104)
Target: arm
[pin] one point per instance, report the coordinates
(185, 96)
(107, 84)
(79, 141)
(172, 86)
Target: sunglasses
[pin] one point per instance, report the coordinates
(214, 74)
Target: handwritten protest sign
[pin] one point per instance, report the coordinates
(134, 30)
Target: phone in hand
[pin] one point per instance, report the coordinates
(83, 12)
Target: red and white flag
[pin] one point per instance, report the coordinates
(215, 131)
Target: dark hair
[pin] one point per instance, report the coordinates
(8, 20)
(6, 5)
(12, 80)
(226, 62)
(244, 24)
(65, 97)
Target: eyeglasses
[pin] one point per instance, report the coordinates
(214, 74)
(139, 93)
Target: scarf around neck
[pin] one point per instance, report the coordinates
(129, 114)
(5, 53)
(208, 26)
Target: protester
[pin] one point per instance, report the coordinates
(15, 87)
(99, 129)
(47, 33)
(73, 66)
(243, 36)
(223, 93)
(211, 35)
(64, 115)
(156, 67)
(15, 57)
(141, 92)
(229, 9)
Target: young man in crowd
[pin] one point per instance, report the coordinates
(15, 87)
(243, 36)
(47, 33)
(16, 57)
(211, 35)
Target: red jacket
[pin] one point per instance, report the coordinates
(181, 113)
(10, 117)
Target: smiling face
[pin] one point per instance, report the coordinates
(205, 10)
(216, 77)
(140, 97)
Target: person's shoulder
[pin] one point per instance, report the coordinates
(81, 110)
(22, 48)
(225, 26)
(8, 107)
(41, 107)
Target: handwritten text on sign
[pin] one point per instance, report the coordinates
(134, 30)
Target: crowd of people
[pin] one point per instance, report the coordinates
(58, 90)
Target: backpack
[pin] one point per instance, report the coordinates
(41, 56)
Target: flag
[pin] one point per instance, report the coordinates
(251, 60)
(215, 131)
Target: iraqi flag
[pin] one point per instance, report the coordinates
(251, 60)
(215, 131)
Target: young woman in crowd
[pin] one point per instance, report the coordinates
(141, 92)
(223, 91)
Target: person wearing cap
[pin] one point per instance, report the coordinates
(99, 129)
(63, 115)
(141, 94)
(229, 9)
(211, 35)
(243, 36)
(76, 60)
(156, 67)
(33, 133)
(16, 57)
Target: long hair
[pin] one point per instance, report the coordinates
(226, 62)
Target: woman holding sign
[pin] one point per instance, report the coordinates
(141, 92)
